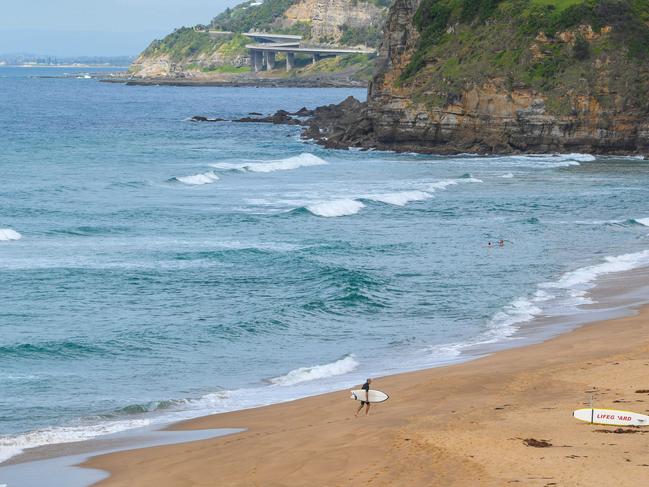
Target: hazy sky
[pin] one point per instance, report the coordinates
(96, 27)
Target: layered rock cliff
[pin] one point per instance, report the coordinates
(330, 20)
(505, 76)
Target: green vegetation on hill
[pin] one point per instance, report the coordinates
(245, 18)
(368, 36)
(548, 45)
(181, 44)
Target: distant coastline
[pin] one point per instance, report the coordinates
(324, 81)
(70, 66)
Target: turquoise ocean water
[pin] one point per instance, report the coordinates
(154, 269)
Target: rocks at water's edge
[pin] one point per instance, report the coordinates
(201, 118)
(280, 117)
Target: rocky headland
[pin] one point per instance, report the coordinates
(503, 77)
(216, 54)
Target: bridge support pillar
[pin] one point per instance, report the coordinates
(290, 60)
(257, 60)
(316, 58)
(270, 60)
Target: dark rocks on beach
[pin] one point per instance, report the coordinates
(537, 443)
(201, 118)
(620, 431)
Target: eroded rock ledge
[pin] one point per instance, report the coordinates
(482, 121)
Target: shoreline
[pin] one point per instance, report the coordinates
(617, 297)
(242, 82)
(493, 403)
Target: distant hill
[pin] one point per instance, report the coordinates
(195, 52)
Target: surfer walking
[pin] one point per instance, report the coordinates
(365, 401)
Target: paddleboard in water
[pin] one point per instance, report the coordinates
(374, 396)
(611, 417)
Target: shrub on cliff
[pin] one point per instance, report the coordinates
(554, 46)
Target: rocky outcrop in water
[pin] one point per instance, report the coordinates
(487, 85)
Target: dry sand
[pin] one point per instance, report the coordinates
(462, 425)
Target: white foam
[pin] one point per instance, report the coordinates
(643, 221)
(303, 160)
(567, 294)
(442, 184)
(199, 179)
(507, 175)
(582, 279)
(306, 374)
(504, 323)
(330, 209)
(579, 157)
(11, 446)
(400, 198)
(540, 160)
(7, 234)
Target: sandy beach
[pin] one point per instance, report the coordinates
(462, 425)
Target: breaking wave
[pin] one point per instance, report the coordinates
(198, 179)
(563, 296)
(540, 160)
(400, 198)
(303, 160)
(7, 234)
(330, 209)
(351, 206)
(305, 374)
(642, 221)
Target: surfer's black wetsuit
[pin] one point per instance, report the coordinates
(366, 387)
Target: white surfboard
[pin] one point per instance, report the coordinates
(612, 417)
(374, 396)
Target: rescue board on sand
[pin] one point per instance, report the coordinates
(611, 417)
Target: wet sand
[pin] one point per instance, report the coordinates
(461, 425)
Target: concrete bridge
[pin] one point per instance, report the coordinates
(262, 56)
(264, 38)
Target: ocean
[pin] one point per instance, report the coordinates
(153, 269)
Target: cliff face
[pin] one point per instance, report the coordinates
(327, 19)
(164, 65)
(453, 83)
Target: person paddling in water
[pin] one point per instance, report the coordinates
(365, 400)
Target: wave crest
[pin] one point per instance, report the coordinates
(400, 198)
(330, 209)
(305, 374)
(198, 179)
(8, 234)
(303, 160)
(642, 221)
